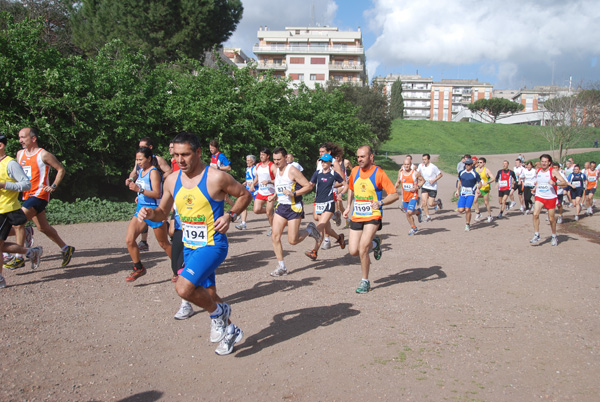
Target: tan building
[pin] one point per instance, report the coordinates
(450, 96)
(237, 56)
(312, 55)
(416, 92)
(533, 99)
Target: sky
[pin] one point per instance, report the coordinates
(511, 44)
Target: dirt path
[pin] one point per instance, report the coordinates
(478, 315)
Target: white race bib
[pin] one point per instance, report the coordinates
(407, 186)
(194, 234)
(363, 208)
(576, 184)
(543, 188)
(141, 184)
(27, 170)
(591, 178)
(466, 191)
(280, 189)
(503, 183)
(427, 185)
(320, 207)
(529, 183)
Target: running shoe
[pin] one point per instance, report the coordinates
(67, 254)
(185, 311)
(576, 217)
(377, 250)
(136, 273)
(240, 226)
(341, 241)
(467, 228)
(401, 206)
(535, 239)
(230, 339)
(16, 262)
(364, 287)
(36, 256)
(526, 212)
(326, 244)
(477, 216)
(28, 237)
(2, 282)
(554, 241)
(489, 219)
(420, 216)
(428, 218)
(270, 232)
(337, 218)
(440, 204)
(413, 231)
(312, 254)
(218, 324)
(143, 246)
(499, 216)
(279, 272)
(6, 257)
(559, 219)
(512, 205)
(314, 232)
(522, 208)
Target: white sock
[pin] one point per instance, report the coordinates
(217, 312)
(230, 328)
(243, 222)
(281, 264)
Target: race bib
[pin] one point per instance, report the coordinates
(280, 189)
(27, 170)
(503, 183)
(194, 234)
(263, 187)
(320, 207)
(141, 184)
(363, 208)
(466, 191)
(407, 186)
(591, 178)
(576, 184)
(543, 188)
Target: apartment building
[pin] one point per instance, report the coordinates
(533, 99)
(312, 55)
(237, 56)
(450, 96)
(416, 92)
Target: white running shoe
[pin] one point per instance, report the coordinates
(512, 205)
(489, 219)
(413, 231)
(477, 216)
(218, 325)
(2, 282)
(467, 228)
(559, 219)
(428, 218)
(576, 217)
(279, 272)
(230, 339)
(522, 209)
(554, 241)
(185, 311)
(240, 226)
(535, 239)
(526, 212)
(326, 244)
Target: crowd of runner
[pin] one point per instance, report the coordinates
(184, 201)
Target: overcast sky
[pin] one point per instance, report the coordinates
(508, 43)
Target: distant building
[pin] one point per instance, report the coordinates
(505, 93)
(451, 96)
(416, 92)
(312, 55)
(533, 99)
(237, 56)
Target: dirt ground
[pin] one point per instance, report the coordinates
(453, 315)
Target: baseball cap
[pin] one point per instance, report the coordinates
(326, 158)
(469, 161)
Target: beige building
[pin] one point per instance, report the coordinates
(312, 55)
(533, 99)
(450, 96)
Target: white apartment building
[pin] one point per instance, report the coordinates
(416, 92)
(312, 55)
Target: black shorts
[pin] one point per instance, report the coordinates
(360, 225)
(432, 193)
(577, 192)
(10, 219)
(502, 193)
(590, 191)
(516, 186)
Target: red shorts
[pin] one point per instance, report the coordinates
(549, 203)
(262, 197)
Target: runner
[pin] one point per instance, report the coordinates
(265, 179)
(339, 195)
(198, 191)
(290, 160)
(148, 187)
(592, 183)
(36, 162)
(560, 193)
(13, 180)
(333, 150)
(468, 182)
(505, 179)
(545, 197)
(411, 180)
(569, 165)
(431, 174)
(484, 191)
(517, 186)
(577, 181)
(528, 177)
(250, 180)
(325, 181)
(366, 185)
(218, 160)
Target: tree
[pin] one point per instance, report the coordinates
(565, 123)
(495, 107)
(397, 101)
(590, 99)
(162, 30)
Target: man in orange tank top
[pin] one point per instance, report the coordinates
(36, 162)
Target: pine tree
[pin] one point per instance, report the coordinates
(397, 101)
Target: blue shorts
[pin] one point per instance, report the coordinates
(286, 212)
(410, 206)
(466, 201)
(36, 203)
(153, 225)
(201, 263)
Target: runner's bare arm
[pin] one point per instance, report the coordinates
(164, 166)
(560, 180)
(51, 160)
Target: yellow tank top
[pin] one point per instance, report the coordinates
(9, 200)
(484, 178)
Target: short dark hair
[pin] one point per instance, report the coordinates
(547, 157)
(187, 138)
(327, 145)
(266, 150)
(214, 143)
(467, 156)
(280, 150)
(427, 155)
(483, 159)
(594, 162)
(3, 139)
(148, 141)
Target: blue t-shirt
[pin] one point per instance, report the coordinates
(468, 182)
(324, 185)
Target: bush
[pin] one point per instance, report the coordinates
(88, 210)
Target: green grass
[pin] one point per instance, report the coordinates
(389, 166)
(580, 159)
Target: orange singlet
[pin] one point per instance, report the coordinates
(38, 173)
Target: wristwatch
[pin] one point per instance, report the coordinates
(232, 216)
(141, 191)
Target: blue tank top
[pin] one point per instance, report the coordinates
(143, 181)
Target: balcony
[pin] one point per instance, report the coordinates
(346, 67)
(271, 66)
(330, 49)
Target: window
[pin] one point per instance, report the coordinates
(317, 60)
(338, 77)
(278, 62)
(317, 77)
(296, 60)
(294, 76)
(300, 77)
(445, 114)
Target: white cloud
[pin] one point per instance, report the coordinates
(511, 34)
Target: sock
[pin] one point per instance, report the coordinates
(138, 265)
(537, 233)
(66, 247)
(373, 244)
(20, 255)
(243, 222)
(414, 227)
(217, 312)
(553, 235)
(326, 240)
(281, 264)
(230, 328)
(365, 280)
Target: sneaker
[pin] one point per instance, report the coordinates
(576, 217)
(489, 219)
(440, 204)
(559, 219)
(279, 272)
(185, 311)
(499, 216)
(218, 324)
(377, 250)
(312, 254)
(143, 246)
(428, 218)
(326, 245)
(554, 241)
(337, 218)
(512, 205)
(136, 273)
(535, 239)
(413, 231)
(526, 212)
(314, 233)
(522, 209)
(270, 232)
(401, 206)
(240, 226)
(28, 237)
(6, 257)
(67, 254)
(15, 263)
(230, 339)
(467, 228)
(36, 256)
(341, 241)
(2, 282)
(477, 216)
(364, 287)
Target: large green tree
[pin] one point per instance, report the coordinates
(163, 30)
(495, 107)
(397, 101)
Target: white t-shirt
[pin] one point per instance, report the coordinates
(429, 173)
(297, 166)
